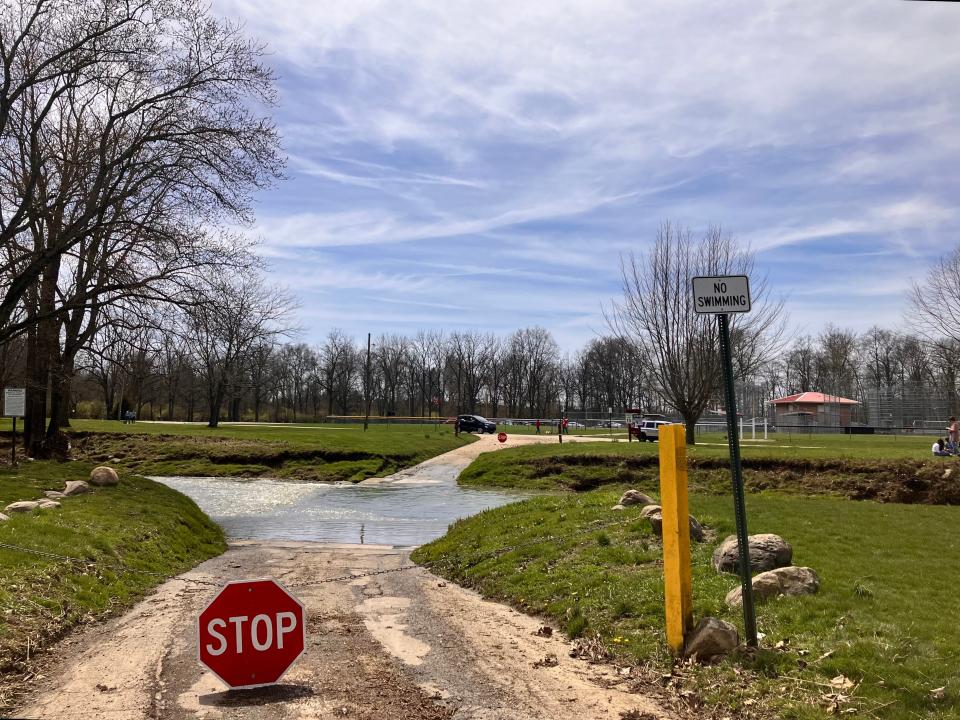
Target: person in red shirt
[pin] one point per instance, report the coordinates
(538, 426)
(566, 431)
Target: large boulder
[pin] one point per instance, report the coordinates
(54, 494)
(76, 487)
(635, 497)
(791, 580)
(711, 638)
(21, 506)
(767, 552)
(4, 518)
(47, 504)
(654, 513)
(103, 476)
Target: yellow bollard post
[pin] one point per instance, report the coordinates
(677, 582)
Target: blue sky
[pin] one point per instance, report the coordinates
(458, 164)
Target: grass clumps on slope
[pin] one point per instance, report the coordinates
(885, 617)
(585, 466)
(139, 523)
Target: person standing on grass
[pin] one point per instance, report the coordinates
(566, 431)
(538, 426)
(952, 430)
(938, 448)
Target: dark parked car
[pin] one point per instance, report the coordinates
(475, 423)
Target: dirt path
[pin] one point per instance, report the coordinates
(393, 646)
(447, 467)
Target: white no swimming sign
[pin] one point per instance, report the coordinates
(721, 295)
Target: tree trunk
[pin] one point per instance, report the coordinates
(61, 383)
(107, 398)
(36, 399)
(38, 376)
(216, 402)
(691, 428)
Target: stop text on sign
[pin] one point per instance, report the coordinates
(261, 631)
(721, 295)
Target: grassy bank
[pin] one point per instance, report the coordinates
(878, 474)
(141, 524)
(318, 452)
(885, 617)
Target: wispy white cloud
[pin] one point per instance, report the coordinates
(542, 139)
(378, 226)
(882, 220)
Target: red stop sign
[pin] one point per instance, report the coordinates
(502, 437)
(251, 633)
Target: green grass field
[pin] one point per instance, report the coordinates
(139, 523)
(885, 617)
(321, 452)
(777, 445)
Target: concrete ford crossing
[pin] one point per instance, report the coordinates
(251, 633)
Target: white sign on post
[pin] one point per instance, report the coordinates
(14, 402)
(721, 295)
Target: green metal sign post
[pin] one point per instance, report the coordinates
(722, 296)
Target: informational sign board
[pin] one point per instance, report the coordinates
(251, 633)
(14, 402)
(721, 295)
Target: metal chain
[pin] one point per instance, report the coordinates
(356, 576)
(109, 566)
(219, 581)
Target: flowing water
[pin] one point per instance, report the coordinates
(400, 514)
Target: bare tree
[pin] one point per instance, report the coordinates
(339, 365)
(137, 105)
(610, 372)
(126, 129)
(233, 316)
(658, 315)
(935, 301)
(836, 363)
(262, 370)
(390, 358)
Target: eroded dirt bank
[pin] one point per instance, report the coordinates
(398, 645)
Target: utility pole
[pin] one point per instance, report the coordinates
(366, 389)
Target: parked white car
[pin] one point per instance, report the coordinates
(650, 429)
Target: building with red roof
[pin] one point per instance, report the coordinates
(813, 408)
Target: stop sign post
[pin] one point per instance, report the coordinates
(502, 437)
(251, 633)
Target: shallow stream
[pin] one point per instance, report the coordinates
(400, 514)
